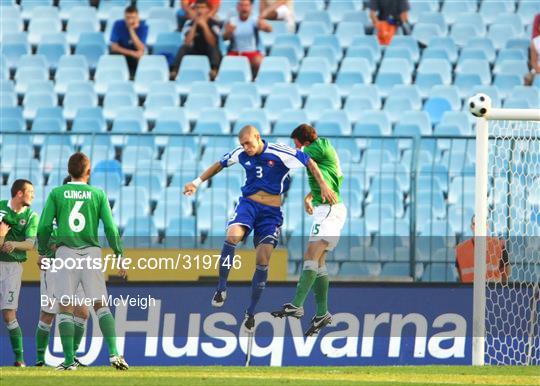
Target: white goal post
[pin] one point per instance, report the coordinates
(486, 117)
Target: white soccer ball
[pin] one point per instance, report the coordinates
(479, 105)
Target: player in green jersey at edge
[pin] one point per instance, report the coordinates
(49, 309)
(328, 220)
(18, 226)
(77, 208)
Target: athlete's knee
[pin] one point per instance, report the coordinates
(81, 312)
(46, 318)
(9, 316)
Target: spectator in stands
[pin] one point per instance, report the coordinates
(278, 10)
(187, 11)
(243, 32)
(387, 16)
(534, 58)
(536, 26)
(497, 264)
(128, 38)
(202, 38)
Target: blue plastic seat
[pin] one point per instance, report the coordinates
(236, 104)
(14, 45)
(338, 9)
(353, 71)
(212, 121)
(41, 26)
(91, 50)
(167, 43)
(273, 70)
(156, 101)
(424, 33)
(171, 120)
(110, 68)
(128, 120)
(52, 47)
(313, 71)
(193, 68)
(256, 117)
(435, 107)
(232, 69)
(333, 123)
(77, 26)
(347, 31)
(35, 100)
(491, 9)
(66, 76)
(373, 123)
(73, 101)
(268, 38)
(517, 67)
(197, 102)
(151, 68)
(395, 106)
(506, 83)
(324, 52)
(157, 27)
(428, 16)
(115, 100)
(89, 119)
(439, 272)
(455, 122)
(309, 29)
(433, 72)
(413, 123)
(500, 34)
(452, 10)
(288, 121)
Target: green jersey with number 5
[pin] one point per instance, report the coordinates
(324, 154)
(77, 208)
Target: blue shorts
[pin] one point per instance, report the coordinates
(264, 220)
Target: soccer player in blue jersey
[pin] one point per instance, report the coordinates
(267, 168)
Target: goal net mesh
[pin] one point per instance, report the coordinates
(512, 305)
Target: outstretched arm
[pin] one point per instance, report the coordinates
(191, 187)
(328, 196)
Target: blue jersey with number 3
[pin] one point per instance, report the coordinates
(268, 171)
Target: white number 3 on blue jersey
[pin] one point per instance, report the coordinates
(259, 170)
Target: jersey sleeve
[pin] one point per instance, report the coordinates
(231, 158)
(45, 226)
(111, 231)
(115, 33)
(31, 229)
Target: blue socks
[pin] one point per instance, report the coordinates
(258, 284)
(225, 264)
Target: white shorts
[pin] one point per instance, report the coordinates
(328, 221)
(10, 284)
(67, 280)
(284, 13)
(46, 292)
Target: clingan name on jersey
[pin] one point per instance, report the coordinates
(78, 194)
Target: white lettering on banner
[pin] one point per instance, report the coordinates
(303, 347)
(191, 348)
(223, 336)
(371, 322)
(396, 330)
(149, 326)
(457, 350)
(228, 337)
(350, 334)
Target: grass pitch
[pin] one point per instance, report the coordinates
(268, 376)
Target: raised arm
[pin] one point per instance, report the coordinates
(327, 194)
(191, 187)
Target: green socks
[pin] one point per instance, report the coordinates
(42, 340)
(309, 274)
(107, 326)
(16, 338)
(66, 326)
(80, 324)
(320, 287)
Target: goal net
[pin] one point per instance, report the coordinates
(506, 323)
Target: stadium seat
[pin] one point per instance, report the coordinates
(232, 69)
(373, 123)
(236, 104)
(192, 69)
(110, 68)
(115, 100)
(52, 47)
(78, 26)
(511, 66)
(333, 123)
(288, 120)
(73, 101)
(312, 71)
(353, 71)
(66, 76)
(452, 10)
(435, 107)
(128, 120)
(455, 122)
(196, 102)
(338, 9)
(171, 120)
(256, 117)
(35, 100)
(424, 33)
(433, 72)
(41, 26)
(89, 120)
(413, 123)
(279, 27)
(91, 49)
(155, 102)
(151, 68)
(309, 29)
(500, 34)
(167, 43)
(505, 83)
(212, 121)
(273, 70)
(347, 31)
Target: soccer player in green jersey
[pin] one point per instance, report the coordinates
(18, 226)
(328, 220)
(77, 208)
(49, 308)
